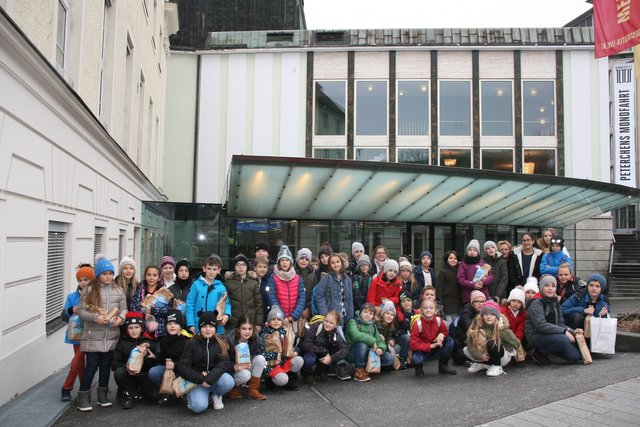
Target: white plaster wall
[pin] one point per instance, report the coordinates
(455, 65)
(371, 65)
(495, 64)
(413, 65)
(536, 64)
(579, 91)
(330, 65)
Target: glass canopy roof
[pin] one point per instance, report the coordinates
(322, 189)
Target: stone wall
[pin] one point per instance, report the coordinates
(588, 243)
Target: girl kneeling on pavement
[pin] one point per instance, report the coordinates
(430, 340)
(490, 342)
(281, 370)
(362, 337)
(205, 361)
(245, 332)
(324, 345)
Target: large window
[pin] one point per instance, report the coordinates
(459, 158)
(538, 108)
(61, 34)
(496, 108)
(455, 108)
(498, 159)
(413, 108)
(371, 108)
(372, 154)
(56, 266)
(539, 162)
(330, 102)
(413, 155)
(329, 153)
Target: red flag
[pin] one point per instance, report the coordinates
(616, 24)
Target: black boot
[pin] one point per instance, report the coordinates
(268, 383)
(291, 384)
(419, 370)
(126, 399)
(443, 367)
(308, 378)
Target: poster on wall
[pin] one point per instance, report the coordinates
(624, 131)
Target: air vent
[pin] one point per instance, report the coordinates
(331, 37)
(280, 38)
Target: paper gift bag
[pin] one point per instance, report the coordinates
(166, 386)
(587, 326)
(289, 340)
(181, 386)
(161, 299)
(272, 343)
(520, 354)
(76, 325)
(221, 305)
(136, 360)
(481, 273)
(180, 305)
(373, 363)
(603, 334)
(243, 355)
(584, 350)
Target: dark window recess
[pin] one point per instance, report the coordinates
(331, 37)
(279, 37)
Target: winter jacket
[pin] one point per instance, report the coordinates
(204, 297)
(264, 294)
(171, 347)
(421, 340)
(447, 289)
(360, 284)
(288, 295)
(552, 260)
(332, 293)
(98, 338)
(245, 297)
(360, 332)
(465, 274)
(271, 356)
(419, 275)
(498, 286)
(513, 272)
(180, 289)
(577, 303)
(403, 322)
(465, 317)
(123, 350)
(308, 276)
(203, 355)
(544, 316)
(508, 340)
(534, 269)
(380, 288)
(254, 348)
(72, 300)
(160, 313)
(388, 331)
(566, 290)
(320, 342)
(516, 321)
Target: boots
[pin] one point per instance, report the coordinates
(419, 370)
(443, 367)
(235, 393)
(103, 397)
(291, 384)
(126, 399)
(342, 372)
(308, 378)
(254, 389)
(84, 401)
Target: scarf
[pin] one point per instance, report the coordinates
(284, 275)
(379, 264)
(471, 260)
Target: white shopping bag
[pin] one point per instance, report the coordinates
(603, 334)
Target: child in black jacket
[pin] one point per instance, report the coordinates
(324, 346)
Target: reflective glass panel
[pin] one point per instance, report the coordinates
(371, 108)
(538, 109)
(455, 108)
(498, 159)
(455, 158)
(371, 154)
(330, 102)
(539, 162)
(329, 153)
(413, 107)
(496, 107)
(413, 155)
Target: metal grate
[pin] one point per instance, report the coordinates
(55, 274)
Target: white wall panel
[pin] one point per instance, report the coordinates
(330, 65)
(371, 65)
(292, 107)
(413, 65)
(580, 93)
(263, 104)
(236, 107)
(454, 65)
(495, 64)
(537, 64)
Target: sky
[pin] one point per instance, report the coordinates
(378, 14)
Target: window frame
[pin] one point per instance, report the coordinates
(470, 86)
(555, 110)
(428, 111)
(56, 275)
(512, 134)
(61, 67)
(315, 135)
(355, 110)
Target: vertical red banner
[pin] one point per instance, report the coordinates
(616, 24)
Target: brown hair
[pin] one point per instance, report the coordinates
(261, 260)
(386, 252)
(342, 266)
(504, 242)
(428, 288)
(243, 319)
(567, 266)
(335, 314)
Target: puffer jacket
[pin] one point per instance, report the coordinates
(245, 297)
(544, 317)
(534, 268)
(254, 347)
(308, 276)
(203, 355)
(334, 294)
(160, 313)
(552, 260)
(516, 321)
(360, 284)
(72, 300)
(577, 303)
(204, 297)
(171, 347)
(98, 338)
(380, 288)
(288, 295)
(367, 333)
(123, 349)
(320, 342)
(508, 340)
(422, 336)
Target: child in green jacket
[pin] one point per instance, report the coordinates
(362, 337)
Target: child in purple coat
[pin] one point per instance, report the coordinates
(467, 270)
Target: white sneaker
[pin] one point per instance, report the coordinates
(217, 402)
(494, 371)
(477, 367)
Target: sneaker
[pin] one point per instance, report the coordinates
(494, 371)
(217, 402)
(477, 367)
(342, 372)
(126, 400)
(361, 375)
(65, 395)
(541, 359)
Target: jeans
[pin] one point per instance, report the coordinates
(403, 342)
(558, 345)
(96, 361)
(419, 357)
(575, 320)
(198, 398)
(359, 353)
(156, 373)
(76, 369)
(257, 367)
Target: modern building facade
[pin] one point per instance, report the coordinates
(81, 133)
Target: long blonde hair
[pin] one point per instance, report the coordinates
(477, 336)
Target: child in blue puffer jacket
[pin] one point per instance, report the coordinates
(552, 260)
(593, 302)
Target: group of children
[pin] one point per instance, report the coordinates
(266, 322)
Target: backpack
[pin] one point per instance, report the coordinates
(312, 301)
(416, 317)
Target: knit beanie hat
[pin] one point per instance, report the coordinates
(490, 307)
(134, 318)
(275, 313)
(474, 244)
(285, 253)
(304, 253)
(325, 249)
(356, 246)
(102, 265)
(404, 296)
(364, 259)
(85, 271)
(126, 261)
(546, 279)
(261, 246)
(598, 278)
(175, 316)
(240, 258)
(517, 294)
(531, 286)
(476, 294)
(208, 318)
(558, 240)
(489, 243)
(406, 265)
(388, 306)
(183, 263)
(426, 253)
(390, 265)
(167, 260)
(368, 306)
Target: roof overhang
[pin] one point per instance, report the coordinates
(321, 189)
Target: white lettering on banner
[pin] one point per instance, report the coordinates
(624, 124)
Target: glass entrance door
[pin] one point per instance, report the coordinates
(420, 241)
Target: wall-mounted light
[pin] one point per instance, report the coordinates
(450, 162)
(542, 109)
(543, 121)
(529, 168)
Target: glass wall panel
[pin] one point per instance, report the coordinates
(413, 155)
(538, 108)
(460, 158)
(498, 159)
(330, 107)
(443, 241)
(371, 108)
(371, 154)
(419, 241)
(539, 162)
(413, 108)
(388, 234)
(343, 234)
(329, 153)
(313, 234)
(455, 108)
(500, 232)
(496, 108)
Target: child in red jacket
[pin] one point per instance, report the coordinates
(430, 340)
(515, 313)
(386, 285)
